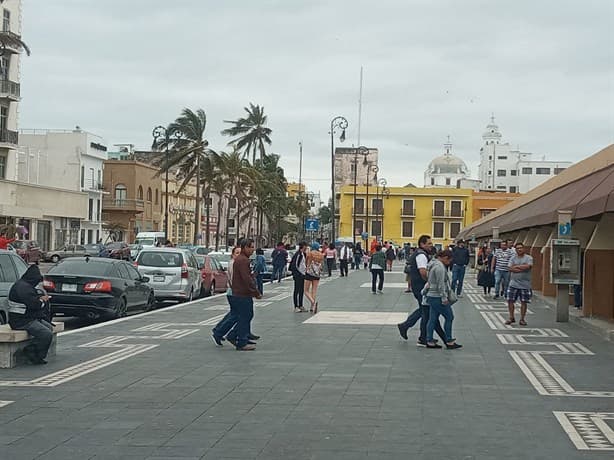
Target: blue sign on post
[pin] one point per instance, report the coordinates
(312, 225)
(565, 229)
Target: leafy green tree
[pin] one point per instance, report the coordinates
(250, 133)
(324, 215)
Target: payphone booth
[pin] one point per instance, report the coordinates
(565, 262)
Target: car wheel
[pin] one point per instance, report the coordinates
(151, 302)
(212, 289)
(190, 297)
(120, 308)
(55, 258)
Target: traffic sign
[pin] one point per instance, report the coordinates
(364, 235)
(312, 225)
(565, 229)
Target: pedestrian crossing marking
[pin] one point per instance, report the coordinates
(588, 430)
(384, 318)
(387, 285)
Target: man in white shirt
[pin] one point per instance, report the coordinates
(345, 254)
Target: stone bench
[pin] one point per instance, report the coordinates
(13, 342)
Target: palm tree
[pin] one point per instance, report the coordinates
(250, 133)
(188, 148)
(239, 178)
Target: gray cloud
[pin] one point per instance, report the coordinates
(432, 68)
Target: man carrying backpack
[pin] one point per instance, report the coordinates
(298, 268)
(280, 259)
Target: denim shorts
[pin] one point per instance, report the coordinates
(513, 294)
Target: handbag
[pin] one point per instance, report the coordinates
(407, 269)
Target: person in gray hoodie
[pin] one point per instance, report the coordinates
(439, 299)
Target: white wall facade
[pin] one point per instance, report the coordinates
(67, 160)
(505, 169)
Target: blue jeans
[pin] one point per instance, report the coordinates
(437, 309)
(260, 283)
(458, 275)
(375, 274)
(227, 322)
(357, 259)
(502, 279)
(42, 336)
(245, 310)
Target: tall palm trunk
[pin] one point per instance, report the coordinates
(197, 226)
(228, 217)
(208, 216)
(219, 222)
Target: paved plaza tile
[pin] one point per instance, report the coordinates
(336, 385)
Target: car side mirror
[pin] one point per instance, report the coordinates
(145, 279)
(224, 269)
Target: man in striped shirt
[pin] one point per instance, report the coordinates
(500, 266)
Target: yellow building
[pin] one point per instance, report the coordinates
(294, 189)
(405, 213)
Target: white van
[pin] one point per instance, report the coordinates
(150, 239)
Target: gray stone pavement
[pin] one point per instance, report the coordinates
(154, 386)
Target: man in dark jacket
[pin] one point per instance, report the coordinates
(244, 291)
(460, 260)
(27, 312)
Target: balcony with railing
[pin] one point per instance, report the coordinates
(408, 212)
(359, 211)
(12, 43)
(123, 204)
(447, 213)
(9, 137)
(9, 90)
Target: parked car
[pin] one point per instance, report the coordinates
(135, 248)
(268, 260)
(93, 249)
(173, 272)
(94, 287)
(12, 267)
(214, 276)
(201, 250)
(222, 257)
(119, 250)
(72, 250)
(28, 250)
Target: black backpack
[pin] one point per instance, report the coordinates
(294, 263)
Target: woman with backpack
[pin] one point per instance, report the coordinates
(298, 268)
(390, 256)
(376, 267)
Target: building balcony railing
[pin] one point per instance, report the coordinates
(9, 137)
(372, 212)
(408, 212)
(448, 213)
(358, 212)
(123, 204)
(12, 45)
(9, 90)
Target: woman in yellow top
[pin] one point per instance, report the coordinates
(313, 271)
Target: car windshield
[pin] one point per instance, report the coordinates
(19, 244)
(81, 267)
(145, 241)
(115, 245)
(91, 246)
(160, 259)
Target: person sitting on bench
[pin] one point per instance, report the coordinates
(28, 311)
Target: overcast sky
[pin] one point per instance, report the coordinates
(432, 68)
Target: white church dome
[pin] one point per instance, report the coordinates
(447, 164)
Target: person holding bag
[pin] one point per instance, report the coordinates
(486, 278)
(440, 298)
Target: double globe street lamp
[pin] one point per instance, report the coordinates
(364, 151)
(342, 124)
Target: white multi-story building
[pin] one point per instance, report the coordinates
(506, 169)
(71, 161)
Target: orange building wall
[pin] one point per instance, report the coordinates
(491, 201)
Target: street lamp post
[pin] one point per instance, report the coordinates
(160, 133)
(375, 169)
(365, 152)
(380, 205)
(342, 124)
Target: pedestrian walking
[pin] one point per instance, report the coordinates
(407, 253)
(500, 266)
(244, 291)
(440, 297)
(298, 268)
(486, 277)
(331, 255)
(376, 266)
(259, 269)
(279, 258)
(459, 265)
(520, 266)
(358, 253)
(29, 311)
(390, 256)
(345, 255)
(224, 326)
(418, 263)
(313, 271)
